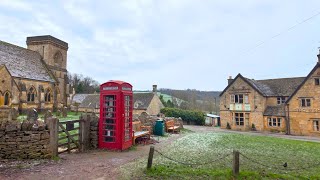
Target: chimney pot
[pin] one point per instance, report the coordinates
(154, 89)
(230, 80)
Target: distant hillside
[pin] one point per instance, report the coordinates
(195, 99)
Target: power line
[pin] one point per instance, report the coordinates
(280, 33)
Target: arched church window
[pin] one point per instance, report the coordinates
(57, 58)
(31, 94)
(47, 95)
(6, 98)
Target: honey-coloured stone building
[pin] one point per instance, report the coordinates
(36, 76)
(290, 105)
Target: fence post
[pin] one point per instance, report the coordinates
(84, 132)
(53, 130)
(236, 163)
(150, 158)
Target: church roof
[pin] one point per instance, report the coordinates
(23, 63)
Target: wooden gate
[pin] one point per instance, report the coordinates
(69, 135)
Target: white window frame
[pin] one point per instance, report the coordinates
(274, 121)
(239, 119)
(281, 100)
(305, 102)
(246, 99)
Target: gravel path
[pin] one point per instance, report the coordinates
(98, 164)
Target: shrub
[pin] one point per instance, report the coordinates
(253, 127)
(186, 115)
(228, 126)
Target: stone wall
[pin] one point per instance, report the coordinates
(257, 105)
(4, 114)
(301, 118)
(94, 123)
(24, 140)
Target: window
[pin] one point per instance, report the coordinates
(281, 100)
(47, 95)
(6, 98)
(317, 81)
(246, 99)
(305, 102)
(31, 94)
(274, 122)
(239, 118)
(247, 115)
(316, 125)
(238, 98)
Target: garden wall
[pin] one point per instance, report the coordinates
(24, 140)
(94, 122)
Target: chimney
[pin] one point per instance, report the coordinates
(319, 55)
(230, 80)
(154, 89)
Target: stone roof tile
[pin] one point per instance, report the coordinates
(277, 87)
(275, 111)
(23, 62)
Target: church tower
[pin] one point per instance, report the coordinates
(54, 54)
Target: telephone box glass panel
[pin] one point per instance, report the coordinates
(109, 113)
(127, 117)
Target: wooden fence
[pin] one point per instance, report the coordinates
(68, 135)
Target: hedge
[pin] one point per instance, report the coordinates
(186, 115)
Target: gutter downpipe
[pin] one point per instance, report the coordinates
(288, 120)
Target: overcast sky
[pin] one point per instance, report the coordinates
(177, 44)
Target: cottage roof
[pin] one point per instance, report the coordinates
(78, 98)
(91, 101)
(142, 100)
(275, 111)
(277, 87)
(272, 87)
(23, 63)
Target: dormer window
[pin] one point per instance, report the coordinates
(281, 100)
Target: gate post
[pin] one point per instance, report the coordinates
(236, 163)
(53, 129)
(84, 132)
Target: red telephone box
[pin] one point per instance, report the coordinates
(115, 125)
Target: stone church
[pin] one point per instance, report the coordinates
(36, 76)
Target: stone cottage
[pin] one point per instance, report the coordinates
(290, 105)
(148, 102)
(36, 76)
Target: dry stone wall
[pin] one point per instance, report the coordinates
(94, 123)
(24, 140)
